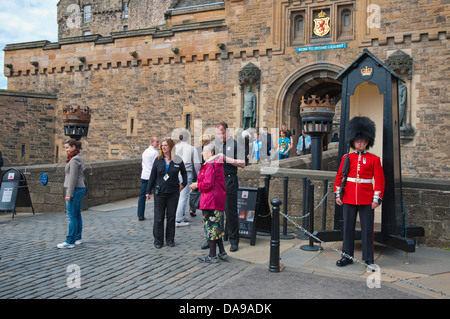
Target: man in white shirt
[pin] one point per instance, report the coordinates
(191, 160)
(148, 157)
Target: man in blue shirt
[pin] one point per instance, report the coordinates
(257, 153)
(304, 144)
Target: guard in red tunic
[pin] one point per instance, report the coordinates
(356, 192)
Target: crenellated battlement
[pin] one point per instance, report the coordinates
(152, 47)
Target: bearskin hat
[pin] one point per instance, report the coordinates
(360, 127)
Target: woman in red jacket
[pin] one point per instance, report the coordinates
(211, 183)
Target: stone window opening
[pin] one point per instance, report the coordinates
(131, 126)
(125, 10)
(345, 19)
(298, 27)
(87, 13)
(188, 121)
(345, 27)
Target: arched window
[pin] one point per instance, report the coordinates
(298, 27)
(345, 24)
(346, 19)
(299, 24)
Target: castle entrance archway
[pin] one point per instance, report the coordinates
(315, 79)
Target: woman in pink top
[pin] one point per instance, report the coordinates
(211, 183)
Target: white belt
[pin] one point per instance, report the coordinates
(359, 180)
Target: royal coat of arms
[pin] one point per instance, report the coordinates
(321, 24)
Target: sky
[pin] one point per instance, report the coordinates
(25, 21)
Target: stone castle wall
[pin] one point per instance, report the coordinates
(29, 119)
(180, 71)
(107, 182)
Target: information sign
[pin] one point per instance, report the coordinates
(14, 191)
(253, 212)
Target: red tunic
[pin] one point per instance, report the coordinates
(363, 166)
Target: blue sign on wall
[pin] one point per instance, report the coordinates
(44, 179)
(322, 47)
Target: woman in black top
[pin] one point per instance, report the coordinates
(164, 179)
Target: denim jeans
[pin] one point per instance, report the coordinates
(142, 198)
(184, 196)
(283, 156)
(73, 209)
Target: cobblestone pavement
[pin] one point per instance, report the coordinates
(116, 260)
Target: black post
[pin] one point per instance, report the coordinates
(311, 246)
(316, 151)
(311, 214)
(324, 205)
(301, 234)
(266, 189)
(275, 238)
(285, 210)
(267, 185)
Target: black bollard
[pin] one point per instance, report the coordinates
(284, 234)
(275, 237)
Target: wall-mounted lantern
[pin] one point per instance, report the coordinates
(76, 121)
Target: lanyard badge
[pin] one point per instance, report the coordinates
(166, 177)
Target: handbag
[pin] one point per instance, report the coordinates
(194, 198)
(194, 195)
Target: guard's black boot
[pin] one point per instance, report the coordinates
(370, 265)
(344, 261)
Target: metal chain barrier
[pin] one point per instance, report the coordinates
(392, 276)
(315, 208)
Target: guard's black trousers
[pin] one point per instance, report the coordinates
(366, 217)
(231, 214)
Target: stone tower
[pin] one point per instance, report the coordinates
(85, 17)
